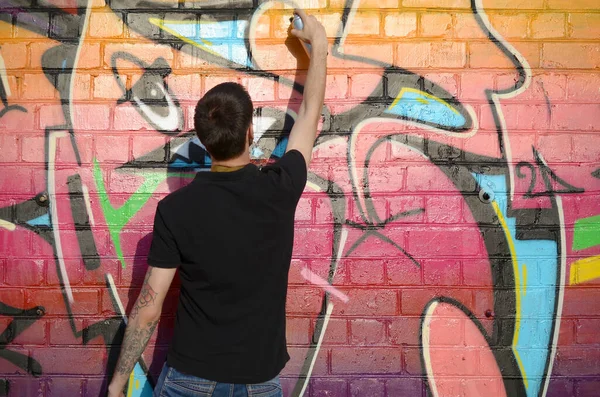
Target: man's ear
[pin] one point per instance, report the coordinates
(250, 134)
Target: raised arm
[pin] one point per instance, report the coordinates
(140, 327)
(303, 134)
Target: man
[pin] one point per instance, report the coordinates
(230, 232)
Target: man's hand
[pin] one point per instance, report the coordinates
(119, 393)
(312, 32)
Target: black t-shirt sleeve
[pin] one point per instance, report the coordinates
(163, 250)
(294, 166)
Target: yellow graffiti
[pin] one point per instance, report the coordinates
(519, 286)
(201, 43)
(130, 388)
(584, 270)
(422, 100)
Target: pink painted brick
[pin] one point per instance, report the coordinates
(111, 148)
(368, 302)
(367, 332)
(304, 300)
(336, 332)
(366, 360)
(24, 271)
(72, 361)
(60, 332)
(587, 331)
(441, 271)
(88, 117)
(366, 271)
(405, 331)
(298, 331)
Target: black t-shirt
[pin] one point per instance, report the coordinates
(231, 235)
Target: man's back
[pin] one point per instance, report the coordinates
(231, 233)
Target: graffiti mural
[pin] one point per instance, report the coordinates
(448, 240)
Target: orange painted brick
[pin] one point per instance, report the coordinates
(584, 26)
(364, 23)
(545, 25)
(89, 57)
(510, 25)
(572, 5)
(513, 4)
(436, 24)
(82, 86)
(37, 50)
(466, 27)
(571, 55)
(447, 81)
(6, 26)
(448, 54)
(260, 89)
(400, 25)
(186, 87)
(379, 52)
(190, 57)
(14, 55)
(437, 3)
(105, 24)
(366, 4)
(146, 52)
(412, 55)
(487, 55)
(106, 86)
(37, 86)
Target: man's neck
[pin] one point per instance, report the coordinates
(231, 164)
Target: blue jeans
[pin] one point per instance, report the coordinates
(173, 383)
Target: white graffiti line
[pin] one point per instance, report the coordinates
(171, 122)
(7, 225)
(318, 347)
(86, 21)
(51, 180)
(343, 239)
(345, 27)
(4, 76)
(115, 295)
(353, 168)
(88, 206)
(495, 97)
(561, 293)
(425, 348)
(321, 282)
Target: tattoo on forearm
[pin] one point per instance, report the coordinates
(135, 341)
(146, 298)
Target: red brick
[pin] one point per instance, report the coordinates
(367, 332)
(571, 55)
(545, 25)
(297, 331)
(27, 386)
(577, 360)
(403, 271)
(297, 358)
(304, 300)
(364, 272)
(85, 301)
(577, 301)
(587, 331)
(367, 387)
(24, 272)
(58, 387)
(366, 360)
(584, 26)
(336, 332)
(436, 24)
(586, 387)
(37, 87)
(414, 300)
(441, 271)
(443, 209)
(33, 335)
(405, 331)
(368, 302)
(61, 333)
(323, 387)
(72, 361)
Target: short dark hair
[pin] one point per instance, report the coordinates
(222, 118)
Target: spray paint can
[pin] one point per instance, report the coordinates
(297, 21)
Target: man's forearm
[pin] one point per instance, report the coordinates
(137, 335)
(314, 89)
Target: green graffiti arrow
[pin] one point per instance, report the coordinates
(587, 233)
(117, 218)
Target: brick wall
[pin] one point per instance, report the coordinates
(448, 241)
